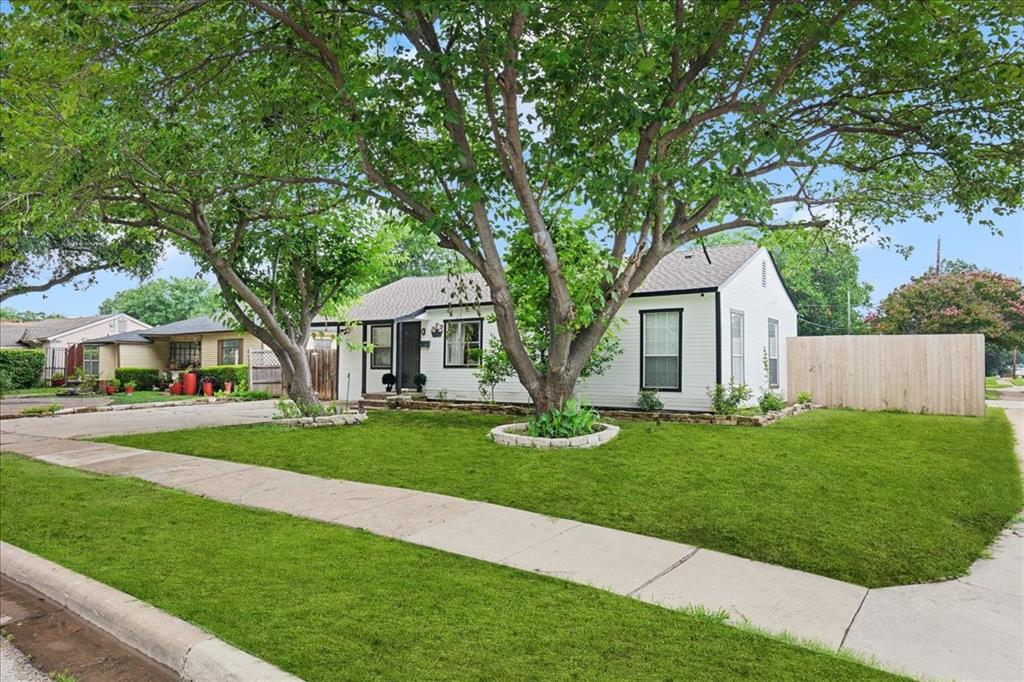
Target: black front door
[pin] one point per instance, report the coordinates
(409, 355)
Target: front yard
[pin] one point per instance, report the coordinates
(871, 498)
(326, 602)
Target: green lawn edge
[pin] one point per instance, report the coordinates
(876, 499)
(327, 602)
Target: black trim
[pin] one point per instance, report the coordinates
(718, 337)
(679, 353)
(673, 292)
(396, 350)
(444, 341)
(363, 392)
(391, 350)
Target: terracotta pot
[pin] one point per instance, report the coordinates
(208, 388)
(111, 389)
(228, 386)
(128, 389)
(191, 381)
(176, 388)
(56, 383)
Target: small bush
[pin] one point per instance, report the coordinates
(420, 380)
(6, 385)
(389, 380)
(144, 378)
(221, 374)
(250, 395)
(290, 409)
(41, 409)
(23, 367)
(726, 400)
(574, 419)
(804, 397)
(769, 402)
(648, 401)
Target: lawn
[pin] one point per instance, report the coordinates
(34, 392)
(871, 498)
(326, 602)
(147, 397)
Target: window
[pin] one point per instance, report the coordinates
(661, 359)
(736, 335)
(229, 351)
(91, 360)
(462, 342)
(380, 337)
(185, 353)
(773, 353)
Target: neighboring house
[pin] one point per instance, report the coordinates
(56, 335)
(197, 342)
(692, 324)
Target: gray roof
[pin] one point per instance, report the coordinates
(123, 337)
(41, 330)
(11, 334)
(678, 271)
(193, 325)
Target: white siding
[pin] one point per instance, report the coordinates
(744, 292)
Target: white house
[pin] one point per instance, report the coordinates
(695, 322)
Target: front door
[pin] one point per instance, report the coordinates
(409, 354)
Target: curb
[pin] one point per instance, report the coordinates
(186, 649)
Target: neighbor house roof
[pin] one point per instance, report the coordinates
(35, 333)
(679, 271)
(193, 325)
(123, 337)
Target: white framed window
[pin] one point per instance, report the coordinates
(661, 355)
(773, 353)
(462, 340)
(91, 360)
(380, 337)
(736, 346)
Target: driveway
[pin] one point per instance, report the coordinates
(143, 420)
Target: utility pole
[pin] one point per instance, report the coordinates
(849, 315)
(938, 256)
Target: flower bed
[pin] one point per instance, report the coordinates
(343, 419)
(515, 434)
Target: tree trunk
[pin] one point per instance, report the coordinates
(553, 390)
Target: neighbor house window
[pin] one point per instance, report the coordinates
(380, 337)
(462, 342)
(185, 353)
(91, 360)
(736, 336)
(230, 351)
(773, 353)
(661, 356)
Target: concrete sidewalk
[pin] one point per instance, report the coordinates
(970, 628)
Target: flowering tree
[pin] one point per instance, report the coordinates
(978, 302)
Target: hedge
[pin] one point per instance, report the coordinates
(21, 367)
(237, 374)
(144, 377)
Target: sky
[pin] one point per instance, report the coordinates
(885, 269)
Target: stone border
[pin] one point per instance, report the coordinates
(344, 419)
(186, 649)
(201, 400)
(509, 434)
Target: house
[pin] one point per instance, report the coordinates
(197, 342)
(55, 336)
(696, 321)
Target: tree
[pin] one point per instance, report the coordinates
(418, 255)
(166, 300)
(667, 122)
(26, 315)
(979, 302)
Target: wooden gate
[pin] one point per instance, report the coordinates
(265, 372)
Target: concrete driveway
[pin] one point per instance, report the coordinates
(144, 420)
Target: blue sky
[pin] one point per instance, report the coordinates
(885, 269)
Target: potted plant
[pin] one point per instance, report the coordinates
(207, 386)
(176, 388)
(57, 380)
(420, 380)
(129, 387)
(189, 381)
(388, 380)
(111, 386)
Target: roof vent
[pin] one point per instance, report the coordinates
(764, 274)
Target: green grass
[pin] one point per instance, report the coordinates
(871, 498)
(147, 397)
(991, 395)
(41, 409)
(326, 602)
(40, 391)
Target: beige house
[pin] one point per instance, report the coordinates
(196, 342)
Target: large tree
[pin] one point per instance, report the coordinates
(666, 122)
(162, 301)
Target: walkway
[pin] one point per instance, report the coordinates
(970, 628)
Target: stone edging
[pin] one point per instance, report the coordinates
(345, 419)
(186, 649)
(510, 434)
(129, 406)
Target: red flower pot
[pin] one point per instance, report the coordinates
(208, 388)
(111, 389)
(56, 383)
(190, 381)
(128, 389)
(176, 388)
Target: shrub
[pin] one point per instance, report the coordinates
(23, 366)
(290, 409)
(143, 378)
(769, 402)
(648, 401)
(574, 419)
(388, 380)
(251, 395)
(804, 397)
(221, 374)
(726, 400)
(41, 409)
(420, 380)
(6, 385)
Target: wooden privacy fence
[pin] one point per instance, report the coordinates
(265, 372)
(927, 373)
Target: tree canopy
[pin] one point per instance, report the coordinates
(163, 301)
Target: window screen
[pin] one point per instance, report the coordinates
(380, 337)
(662, 350)
(736, 338)
(773, 353)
